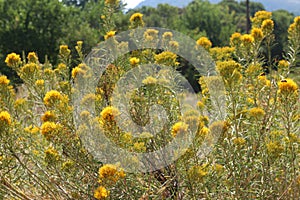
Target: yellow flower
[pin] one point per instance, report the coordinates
(77, 71)
(149, 80)
(139, 146)
(259, 17)
(197, 173)
(267, 26)
(204, 131)
(262, 79)
(5, 117)
(247, 39)
(204, 42)
(229, 70)
(64, 50)
(235, 39)
(39, 83)
(257, 113)
(109, 34)
(179, 128)
(101, 193)
(134, 61)
(48, 116)
(32, 129)
(167, 35)
(109, 113)
(174, 44)
(239, 141)
(283, 64)
(166, 58)
(136, 17)
(110, 173)
(257, 34)
(48, 129)
(52, 97)
(12, 59)
(274, 148)
(4, 80)
(51, 155)
(30, 68)
(32, 57)
(287, 86)
(111, 2)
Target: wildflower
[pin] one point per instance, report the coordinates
(52, 97)
(149, 80)
(64, 50)
(39, 83)
(109, 172)
(235, 39)
(136, 17)
(257, 112)
(274, 148)
(174, 44)
(239, 141)
(167, 35)
(218, 168)
(4, 80)
(48, 116)
(111, 2)
(51, 155)
(32, 129)
(5, 118)
(30, 68)
(287, 86)
(166, 58)
(204, 131)
(139, 146)
(200, 104)
(229, 70)
(197, 173)
(247, 39)
(267, 26)
(259, 17)
(257, 34)
(204, 42)
(109, 113)
(179, 128)
(77, 71)
(109, 34)
(262, 79)
(101, 193)
(85, 114)
(12, 59)
(283, 64)
(32, 57)
(48, 129)
(134, 61)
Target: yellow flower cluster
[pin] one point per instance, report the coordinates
(101, 193)
(204, 42)
(48, 116)
(53, 97)
(5, 118)
(222, 53)
(4, 81)
(48, 129)
(167, 35)
(111, 2)
(30, 69)
(51, 155)
(79, 71)
(40, 83)
(149, 80)
(32, 57)
(136, 18)
(287, 86)
(109, 35)
(134, 61)
(235, 39)
(12, 59)
(109, 113)
(267, 26)
(197, 173)
(257, 34)
(274, 148)
(294, 29)
(32, 129)
(239, 141)
(166, 58)
(180, 128)
(64, 50)
(110, 173)
(259, 17)
(247, 40)
(257, 113)
(230, 71)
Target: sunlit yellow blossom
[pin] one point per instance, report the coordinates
(222, 53)
(149, 80)
(174, 44)
(204, 42)
(287, 86)
(134, 61)
(101, 193)
(32, 57)
(5, 117)
(259, 17)
(77, 71)
(166, 58)
(109, 34)
(136, 17)
(32, 129)
(267, 26)
(239, 141)
(274, 148)
(167, 35)
(139, 146)
(52, 97)
(262, 79)
(229, 70)
(257, 112)
(109, 113)
(12, 59)
(64, 50)
(247, 39)
(51, 155)
(204, 131)
(283, 64)
(197, 173)
(4, 80)
(111, 2)
(40, 83)
(179, 128)
(235, 39)
(257, 34)
(48, 116)
(48, 129)
(109, 172)
(30, 68)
